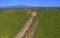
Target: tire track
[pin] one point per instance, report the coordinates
(32, 31)
(24, 29)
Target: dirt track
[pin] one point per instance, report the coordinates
(24, 29)
(31, 32)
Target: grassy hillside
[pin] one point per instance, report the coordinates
(49, 24)
(12, 20)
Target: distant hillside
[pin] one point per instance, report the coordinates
(26, 6)
(17, 6)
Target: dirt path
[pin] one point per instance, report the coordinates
(24, 29)
(32, 31)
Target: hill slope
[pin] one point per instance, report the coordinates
(12, 20)
(49, 24)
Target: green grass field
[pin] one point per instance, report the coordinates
(12, 20)
(49, 24)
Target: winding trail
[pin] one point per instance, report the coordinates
(31, 31)
(24, 29)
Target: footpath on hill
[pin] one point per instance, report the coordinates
(31, 31)
(22, 33)
(24, 29)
